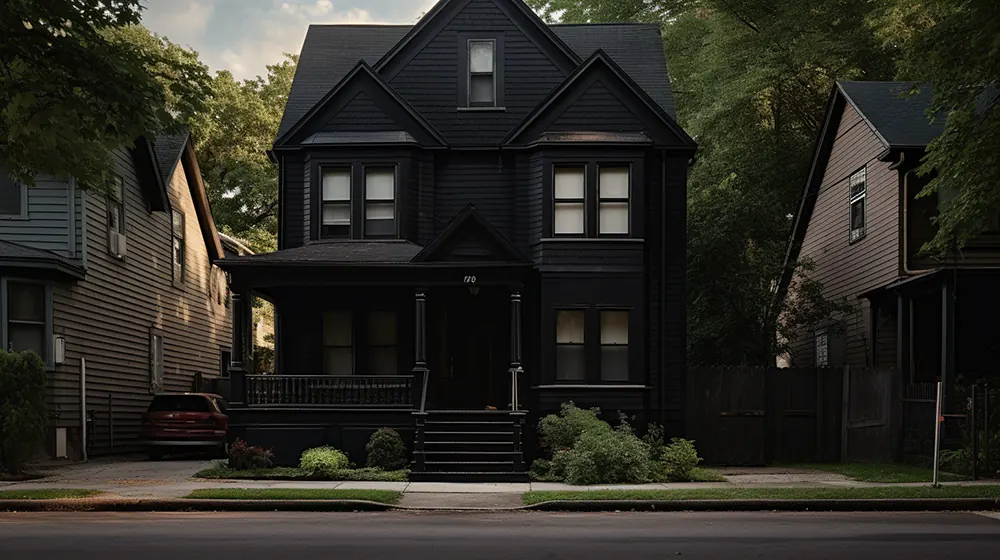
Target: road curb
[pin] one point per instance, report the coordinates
(182, 504)
(911, 504)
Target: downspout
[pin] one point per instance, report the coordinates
(905, 233)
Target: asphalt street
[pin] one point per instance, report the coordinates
(522, 536)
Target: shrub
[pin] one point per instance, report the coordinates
(541, 470)
(560, 431)
(608, 457)
(679, 460)
(386, 450)
(654, 439)
(323, 461)
(23, 415)
(243, 456)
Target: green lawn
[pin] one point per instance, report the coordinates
(879, 472)
(46, 494)
(702, 474)
(380, 496)
(221, 471)
(886, 492)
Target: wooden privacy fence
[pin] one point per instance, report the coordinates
(757, 416)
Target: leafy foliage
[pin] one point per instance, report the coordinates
(23, 416)
(76, 84)
(678, 460)
(953, 45)
(232, 137)
(386, 450)
(561, 431)
(243, 456)
(608, 457)
(323, 461)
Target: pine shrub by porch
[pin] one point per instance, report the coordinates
(23, 416)
(323, 461)
(386, 450)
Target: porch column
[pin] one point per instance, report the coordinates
(242, 344)
(420, 371)
(515, 347)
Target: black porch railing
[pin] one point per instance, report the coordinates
(395, 391)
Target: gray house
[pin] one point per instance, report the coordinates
(117, 293)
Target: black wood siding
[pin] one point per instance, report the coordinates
(485, 180)
(598, 109)
(360, 114)
(430, 82)
(293, 212)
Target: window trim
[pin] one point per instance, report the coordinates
(314, 167)
(464, 78)
(852, 199)
(157, 379)
(118, 180)
(48, 331)
(395, 200)
(601, 200)
(350, 200)
(470, 74)
(554, 201)
(634, 162)
(628, 345)
(179, 282)
(556, 344)
(22, 198)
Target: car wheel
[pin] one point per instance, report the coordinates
(156, 454)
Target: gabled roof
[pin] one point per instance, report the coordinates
(899, 119)
(360, 71)
(168, 149)
(331, 51)
(598, 62)
(148, 172)
(470, 219)
(445, 10)
(17, 259)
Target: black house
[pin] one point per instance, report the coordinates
(481, 217)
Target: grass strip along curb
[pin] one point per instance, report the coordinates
(48, 494)
(140, 505)
(388, 497)
(879, 472)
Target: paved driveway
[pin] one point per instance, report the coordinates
(128, 470)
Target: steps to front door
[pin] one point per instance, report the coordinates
(469, 446)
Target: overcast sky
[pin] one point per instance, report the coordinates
(243, 36)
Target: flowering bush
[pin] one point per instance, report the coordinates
(243, 456)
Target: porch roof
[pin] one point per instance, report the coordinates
(391, 251)
(21, 260)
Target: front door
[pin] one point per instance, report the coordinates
(472, 358)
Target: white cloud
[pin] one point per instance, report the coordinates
(183, 21)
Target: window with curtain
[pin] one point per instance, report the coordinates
(336, 220)
(380, 202)
(26, 328)
(570, 349)
(569, 215)
(613, 192)
(482, 73)
(382, 340)
(338, 343)
(614, 345)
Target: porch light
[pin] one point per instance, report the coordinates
(474, 290)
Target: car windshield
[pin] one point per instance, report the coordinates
(180, 403)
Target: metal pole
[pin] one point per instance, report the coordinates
(937, 434)
(975, 436)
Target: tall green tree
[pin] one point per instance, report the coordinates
(751, 78)
(73, 88)
(954, 45)
(232, 137)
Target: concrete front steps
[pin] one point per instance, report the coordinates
(470, 446)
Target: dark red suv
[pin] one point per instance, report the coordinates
(177, 422)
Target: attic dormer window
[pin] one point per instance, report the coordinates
(482, 73)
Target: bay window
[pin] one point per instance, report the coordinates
(336, 209)
(380, 205)
(592, 199)
(569, 214)
(613, 192)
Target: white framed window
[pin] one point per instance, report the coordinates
(380, 202)
(859, 190)
(482, 73)
(338, 343)
(116, 206)
(336, 203)
(614, 345)
(179, 248)
(13, 197)
(822, 349)
(155, 362)
(382, 341)
(570, 345)
(614, 186)
(569, 207)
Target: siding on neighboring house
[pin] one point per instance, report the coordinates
(108, 316)
(48, 225)
(847, 270)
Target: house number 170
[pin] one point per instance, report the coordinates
(470, 279)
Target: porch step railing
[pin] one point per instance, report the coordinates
(394, 391)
